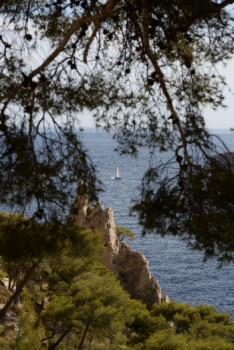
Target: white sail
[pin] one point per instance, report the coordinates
(117, 173)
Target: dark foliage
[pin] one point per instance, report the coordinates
(146, 69)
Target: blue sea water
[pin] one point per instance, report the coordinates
(181, 273)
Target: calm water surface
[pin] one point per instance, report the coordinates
(180, 272)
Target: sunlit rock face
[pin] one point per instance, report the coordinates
(131, 267)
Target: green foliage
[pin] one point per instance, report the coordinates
(81, 305)
(2, 274)
(169, 340)
(174, 326)
(145, 69)
(30, 330)
(21, 238)
(197, 206)
(123, 232)
(4, 294)
(2, 329)
(26, 247)
(201, 321)
(94, 300)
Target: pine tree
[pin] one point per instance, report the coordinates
(93, 307)
(25, 245)
(145, 69)
(30, 330)
(180, 326)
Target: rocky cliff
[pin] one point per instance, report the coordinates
(131, 267)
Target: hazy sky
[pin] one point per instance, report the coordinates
(220, 119)
(223, 118)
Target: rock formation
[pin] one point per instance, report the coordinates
(131, 267)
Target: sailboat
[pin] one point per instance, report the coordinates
(117, 174)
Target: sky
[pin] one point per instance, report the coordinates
(223, 118)
(220, 119)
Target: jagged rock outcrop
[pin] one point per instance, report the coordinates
(131, 267)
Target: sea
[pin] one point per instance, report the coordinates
(181, 272)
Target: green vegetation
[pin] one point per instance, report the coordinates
(145, 69)
(124, 232)
(25, 244)
(69, 301)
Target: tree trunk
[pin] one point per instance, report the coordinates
(85, 331)
(53, 346)
(13, 285)
(18, 291)
(9, 284)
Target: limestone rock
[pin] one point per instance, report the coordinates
(165, 298)
(131, 267)
(133, 272)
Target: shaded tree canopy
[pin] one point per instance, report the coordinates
(146, 69)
